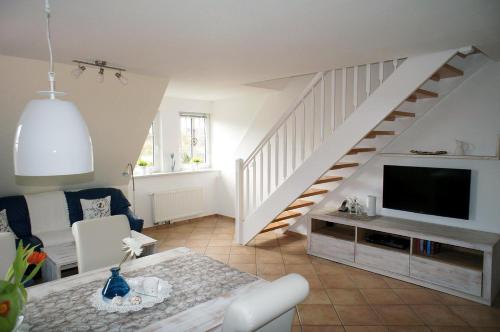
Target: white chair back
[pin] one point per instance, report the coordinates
(7, 252)
(99, 241)
(267, 309)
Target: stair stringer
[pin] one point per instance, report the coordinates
(409, 76)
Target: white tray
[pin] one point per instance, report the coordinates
(103, 304)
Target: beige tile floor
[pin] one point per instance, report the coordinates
(342, 298)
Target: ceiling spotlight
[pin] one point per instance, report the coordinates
(121, 78)
(78, 70)
(100, 75)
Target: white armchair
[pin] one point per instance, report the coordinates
(7, 252)
(99, 241)
(267, 309)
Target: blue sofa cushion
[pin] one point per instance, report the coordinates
(119, 205)
(17, 215)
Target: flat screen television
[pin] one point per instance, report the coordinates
(441, 192)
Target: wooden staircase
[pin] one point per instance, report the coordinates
(293, 210)
(339, 171)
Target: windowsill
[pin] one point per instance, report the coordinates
(189, 171)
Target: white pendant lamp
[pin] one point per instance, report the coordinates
(52, 137)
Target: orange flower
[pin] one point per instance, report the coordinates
(37, 257)
(4, 308)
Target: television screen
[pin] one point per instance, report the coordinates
(438, 191)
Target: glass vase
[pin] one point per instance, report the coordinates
(115, 285)
(11, 306)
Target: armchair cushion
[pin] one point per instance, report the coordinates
(135, 222)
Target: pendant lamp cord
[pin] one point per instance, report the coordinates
(51, 73)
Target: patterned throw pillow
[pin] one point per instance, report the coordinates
(4, 223)
(96, 208)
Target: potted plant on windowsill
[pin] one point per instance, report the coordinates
(196, 162)
(142, 167)
(13, 295)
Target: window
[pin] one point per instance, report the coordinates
(194, 139)
(147, 157)
(150, 157)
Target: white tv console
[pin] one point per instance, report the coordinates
(468, 264)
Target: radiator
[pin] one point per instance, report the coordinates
(179, 203)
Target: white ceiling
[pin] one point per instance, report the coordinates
(211, 48)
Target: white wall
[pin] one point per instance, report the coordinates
(470, 113)
(117, 116)
(145, 186)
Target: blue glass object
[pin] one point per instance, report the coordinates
(115, 285)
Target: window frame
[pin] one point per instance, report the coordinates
(192, 115)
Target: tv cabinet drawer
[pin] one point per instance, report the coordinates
(384, 259)
(331, 247)
(448, 275)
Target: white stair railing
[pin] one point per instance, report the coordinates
(328, 100)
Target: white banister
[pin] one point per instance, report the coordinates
(303, 139)
(322, 116)
(285, 116)
(239, 213)
(368, 80)
(268, 167)
(247, 191)
(261, 176)
(254, 185)
(313, 118)
(276, 159)
(255, 176)
(285, 149)
(344, 92)
(332, 96)
(355, 87)
(381, 72)
(294, 140)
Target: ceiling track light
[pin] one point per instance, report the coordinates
(102, 65)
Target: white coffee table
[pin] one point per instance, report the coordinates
(63, 257)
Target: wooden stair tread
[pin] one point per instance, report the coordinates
(300, 203)
(446, 71)
(343, 165)
(375, 133)
(273, 226)
(475, 51)
(421, 94)
(396, 114)
(326, 179)
(313, 192)
(287, 215)
(359, 150)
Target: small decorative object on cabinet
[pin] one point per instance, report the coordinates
(462, 148)
(429, 153)
(355, 206)
(371, 206)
